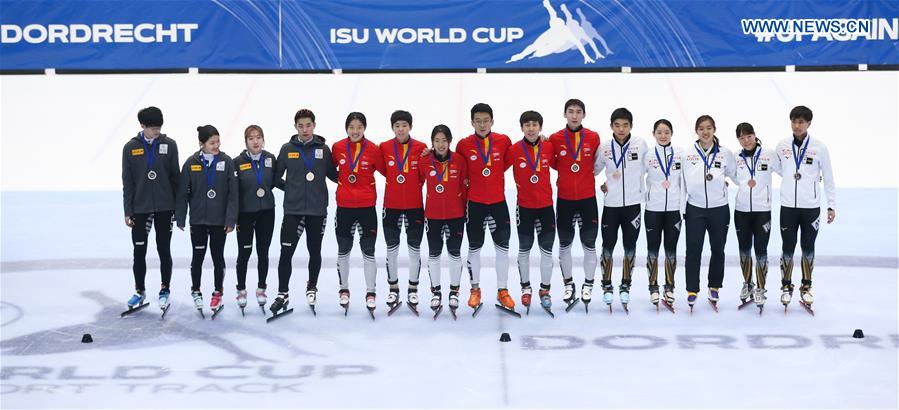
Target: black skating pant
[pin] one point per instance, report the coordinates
(164, 221)
(214, 235)
(292, 228)
(261, 224)
(715, 221)
(628, 219)
(661, 228)
(792, 221)
(753, 231)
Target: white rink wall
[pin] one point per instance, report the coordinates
(75, 125)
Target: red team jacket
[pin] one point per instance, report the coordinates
(360, 194)
(574, 186)
(449, 204)
(532, 194)
(408, 194)
(485, 190)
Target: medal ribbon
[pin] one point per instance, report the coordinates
(755, 160)
(354, 159)
(708, 165)
(442, 175)
(489, 143)
(665, 169)
(150, 149)
(576, 153)
(801, 153)
(257, 168)
(623, 153)
(401, 165)
(308, 160)
(210, 177)
(533, 164)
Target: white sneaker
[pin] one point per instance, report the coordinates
(568, 296)
(785, 297)
(807, 297)
(393, 297)
(669, 296)
(758, 295)
(746, 292)
(454, 300)
(435, 301)
(587, 292)
(261, 298)
(242, 299)
(198, 299)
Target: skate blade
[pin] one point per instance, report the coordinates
(668, 306)
(413, 308)
(610, 308)
(714, 306)
(394, 308)
(549, 312)
(437, 311)
(164, 311)
(262, 306)
(745, 303)
(132, 310)
(624, 306)
(453, 313)
(278, 315)
(312, 308)
(761, 309)
(202, 315)
(509, 311)
(807, 308)
(346, 309)
(242, 314)
(527, 310)
(571, 305)
(371, 312)
(217, 311)
(477, 310)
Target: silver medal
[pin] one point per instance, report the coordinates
(310, 176)
(260, 192)
(575, 168)
(400, 179)
(351, 178)
(534, 179)
(151, 175)
(485, 172)
(210, 194)
(439, 188)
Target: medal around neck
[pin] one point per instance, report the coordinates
(210, 194)
(260, 192)
(439, 188)
(151, 175)
(310, 176)
(351, 178)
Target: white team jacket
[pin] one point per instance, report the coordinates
(701, 192)
(659, 199)
(758, 198)
(814, 167)
(627, 188)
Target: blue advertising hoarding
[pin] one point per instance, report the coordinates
(435, 35)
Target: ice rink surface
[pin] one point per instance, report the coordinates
(55, 290)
